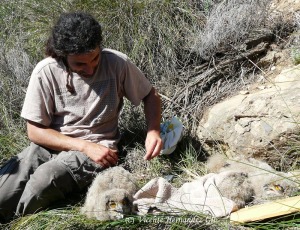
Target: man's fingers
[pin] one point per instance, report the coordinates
(104, 163)
(153, 144)
(157, 150)
(149, 150)
(147, 156)
(153, 150)
(114, 154)
(111, 160)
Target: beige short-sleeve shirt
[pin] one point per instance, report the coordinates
(92, 112)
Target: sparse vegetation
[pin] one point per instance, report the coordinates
(295, 44)
(194, 52)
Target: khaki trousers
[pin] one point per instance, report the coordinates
(37, 177)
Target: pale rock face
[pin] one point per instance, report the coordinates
(258, 123)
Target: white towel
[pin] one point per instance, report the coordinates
(200, 195)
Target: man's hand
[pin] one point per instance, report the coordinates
(53, 139)
(153, 145)
(100, 154)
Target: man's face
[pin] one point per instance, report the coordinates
(85, 64)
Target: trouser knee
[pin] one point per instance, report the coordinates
(34, 155)
(52, 174)
(15, 174)
(50, 182)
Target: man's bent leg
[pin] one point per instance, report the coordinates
(14, 176)
(68, 172)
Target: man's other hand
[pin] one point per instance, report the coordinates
(153, 144)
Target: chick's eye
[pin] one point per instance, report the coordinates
(112, 204)
(124, 202)
(278, 187)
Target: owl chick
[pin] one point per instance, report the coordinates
(110, 196)
(263, 181)
(237, 187)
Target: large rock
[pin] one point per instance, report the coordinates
(264, 124)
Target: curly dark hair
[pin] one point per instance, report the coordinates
(74, 33)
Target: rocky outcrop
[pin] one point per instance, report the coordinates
(263, 124)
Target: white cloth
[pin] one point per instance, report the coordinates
(171, 134)
(200, 195)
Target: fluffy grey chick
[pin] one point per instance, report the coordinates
(220, 163)
(237, 187)
(263, 179)
(110, 196)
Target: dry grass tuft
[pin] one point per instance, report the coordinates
(229, 23)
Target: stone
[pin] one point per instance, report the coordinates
(257, 124)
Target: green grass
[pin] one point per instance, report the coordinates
(70, 218)
(295, 53)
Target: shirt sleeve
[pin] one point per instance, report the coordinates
(38, 103)
(136, 86)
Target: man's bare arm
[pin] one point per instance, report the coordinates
(54, 140)
(152, 109)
